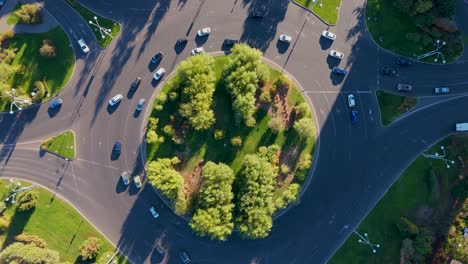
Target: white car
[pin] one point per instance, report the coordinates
(159, 74)
(204, 31)
(197, 50)
(328, 35)
(153, 212)
(115, 99)
(83, 45)
(285, 38)
(124, 177)
(336, 54)
(137, 181)
(351, 101)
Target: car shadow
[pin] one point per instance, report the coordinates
(178, 48)
(52, 112)
(201, 40)
(155, 83)
(332, 62)
(132, 189)
(130, 93)
(152, 66)
(136, 114)
(115, 154)
(120, 187)
(325, 43)
(111, 108)
(156, 257)
(282, 46)
(336, 78)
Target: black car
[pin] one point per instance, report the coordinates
(256, 14)
(402, 61)
(135, 84)
(156, 58)
(182, 41)
(230, 42)
(387, 71)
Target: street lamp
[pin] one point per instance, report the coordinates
(436, 51)
(440, 157)
(18, 102)
(365, 240)
(16, 191)
(104, 31)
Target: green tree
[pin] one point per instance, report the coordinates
(304, 127)
(213, 217)
(423, 245)
(422, 6)
(407, 228)
(276, 125)
(236, 141)
(288, 194)
(31, 239)
(163, 176)
(29, 14)
(4, 223)
(90, 248)
(197, 84)
(18, 253)
(28, 200)
(302, 110)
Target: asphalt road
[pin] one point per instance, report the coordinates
(355, 164)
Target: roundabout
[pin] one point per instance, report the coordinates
(354, 166)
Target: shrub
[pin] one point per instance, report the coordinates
(31, 239)
(265, 97)
(407, 228)
(153, 138)
(90, 248)
(302, 110)
(28, 200)
(173, 96)
(276, 125)
(282, 83)
(17, 253)
(287, 195)
(39, 92)
(153, 123)
(284, 169)
(218, 134)
(161, 98)
(4, 223)
(158, 107)
(181, 204)
(250, 122)
(304, 127)
(423, 245)
(48, 49)
(305, 162)
(236, 141)
(2, 207)
(6, 35)
(29, 14)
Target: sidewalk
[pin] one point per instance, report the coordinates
(48, 22)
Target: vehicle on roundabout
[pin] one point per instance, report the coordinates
(153, 212)
(285, 38)
(184, 257)
(56, 104)
(198, 50)
(137, 181)
(118, 146)
(83, 46)
(339, 70)
(336, 54)
(354, 116)
(182, 41)
(140, 104)
(404, 87)
(115, 100)
(204, 31)
(157, 58)
(351, 101)
(387, 71)
(159, 74)
(328, 35)
(125, 179)
(403, 62)
(441, 90)
(135, 84)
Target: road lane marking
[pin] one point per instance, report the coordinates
(98, 164)
(338, 92)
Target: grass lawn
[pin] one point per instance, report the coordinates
(104, 22)
(393, 106)
(328, 12)
(408, 196)
(54, 220)
(389, 28)
(13, 19)
(31, 67)
(63, 145)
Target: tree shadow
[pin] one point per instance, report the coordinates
(18, 222)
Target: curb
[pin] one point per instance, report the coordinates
(315, 14)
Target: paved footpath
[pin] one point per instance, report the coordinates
(48, 22)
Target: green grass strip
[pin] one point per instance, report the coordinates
(62, 145)
(13, 19)
(328, 11)
(393, 106)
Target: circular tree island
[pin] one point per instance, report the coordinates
(229, 142)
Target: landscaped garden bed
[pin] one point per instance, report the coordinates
(228, 136)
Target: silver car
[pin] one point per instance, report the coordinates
(124, 177)
(116, 99)
(336, 54)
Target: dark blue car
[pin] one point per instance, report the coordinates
(117, 146)
(55, 104)
(354, 117)
(339, 70)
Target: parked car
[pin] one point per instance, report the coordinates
(204, 31)
(159, 74)
(439, 90)
(158, 57)
(124, 177)
(285, 38)
(140, 104)
(115, 100)
(135, 84)
(153, 212)
(336, 54)
(404, 87)
(402, 61)
(83, 45)
(230, 42)
(184, 257)
(351, 101)
(56, 103)
(118, 146)
(256, 14)
(328, 35)
(198, 50)
(387, 71)
(354, 116)
(339, 70)
(182, 41)
(137, 181)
